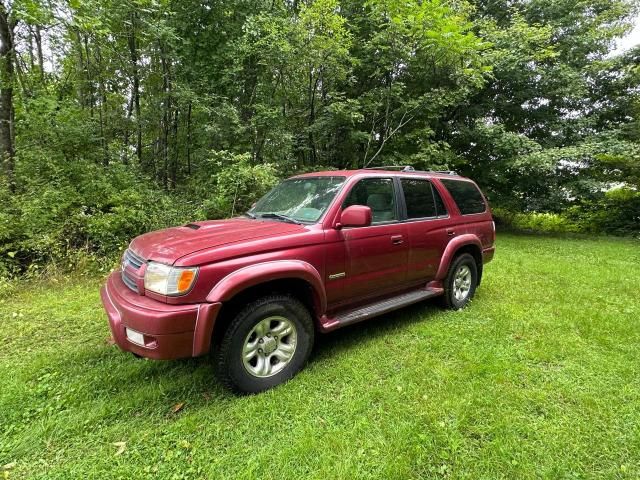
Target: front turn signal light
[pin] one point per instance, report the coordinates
(185, 280)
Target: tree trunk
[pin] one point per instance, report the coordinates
(81, 84)
(133, 55)
(125, 156)
(21, 79)
(102, 98)
(89, 77)
(250, 76)
(189, 140)
(174, 157)
(313, 86)
(32, 61)
(7, 54)
(166, 87)
(38, 36)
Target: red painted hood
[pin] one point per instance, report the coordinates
(170, 244)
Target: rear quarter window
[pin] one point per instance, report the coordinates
(466, 195)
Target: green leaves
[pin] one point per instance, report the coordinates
(142, 102)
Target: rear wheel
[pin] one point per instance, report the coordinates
(266, 344)
(461, 282)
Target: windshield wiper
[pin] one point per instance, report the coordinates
(280, 217)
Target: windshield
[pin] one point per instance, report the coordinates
(302, 199)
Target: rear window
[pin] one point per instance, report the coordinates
(466, 195)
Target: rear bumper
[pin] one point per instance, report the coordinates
(169, 331)
(488, 253)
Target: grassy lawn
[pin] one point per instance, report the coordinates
(538, 378)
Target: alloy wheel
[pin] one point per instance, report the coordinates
(269, 346)
(462, 283)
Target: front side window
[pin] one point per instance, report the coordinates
(466, 195)
(303, 199)
(377, 194)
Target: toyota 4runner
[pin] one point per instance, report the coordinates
(318, 252)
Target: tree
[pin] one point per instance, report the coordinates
(121, 116)
(546, 57)
(8, 23)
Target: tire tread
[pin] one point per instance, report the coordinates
(221, 353)
(447, 298)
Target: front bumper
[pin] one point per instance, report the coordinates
(169, 331)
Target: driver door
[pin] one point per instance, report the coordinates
(376, 256)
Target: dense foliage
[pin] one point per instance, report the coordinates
(120, 117)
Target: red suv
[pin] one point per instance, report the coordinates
(318, 252)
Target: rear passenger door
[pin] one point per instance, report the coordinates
(426, 218)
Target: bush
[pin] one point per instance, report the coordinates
(87, 213)
(616, 212)
(536, 221)
(52, 222)
(231, 184)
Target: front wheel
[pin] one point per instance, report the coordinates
(266, 344)
(461, 282)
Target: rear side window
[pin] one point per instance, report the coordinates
(466, 195)
(421, 199)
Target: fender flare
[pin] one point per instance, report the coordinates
(451, 249)
(256, 274)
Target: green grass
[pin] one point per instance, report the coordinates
(538, 378)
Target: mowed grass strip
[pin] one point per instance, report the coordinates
(538, 378)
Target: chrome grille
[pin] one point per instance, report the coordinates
(135, 261)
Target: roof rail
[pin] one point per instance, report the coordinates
(406, 168)
(409, 168)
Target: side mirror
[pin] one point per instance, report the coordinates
(355, 216)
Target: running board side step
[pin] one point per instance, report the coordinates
(381, 307)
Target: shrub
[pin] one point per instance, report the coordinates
(229, 184)
(52, 222)
(617, 212)
(543, 222)
(86, 213)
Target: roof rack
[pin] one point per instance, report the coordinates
(409, 168)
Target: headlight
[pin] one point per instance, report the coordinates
(167, 280)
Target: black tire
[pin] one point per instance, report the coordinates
(229, 364)
(449, 299)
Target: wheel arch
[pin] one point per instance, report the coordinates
(262, 273)
(296, 278)
(463, 244)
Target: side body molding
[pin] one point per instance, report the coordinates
(450, 250)
(252, 275)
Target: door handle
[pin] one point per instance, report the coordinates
(450, 232)
(397, 239)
